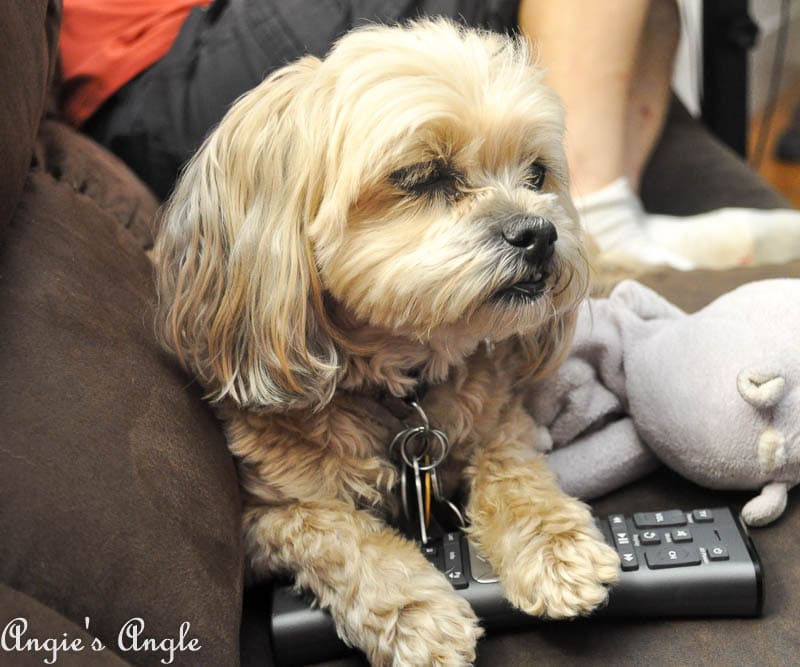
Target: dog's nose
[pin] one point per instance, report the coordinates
(535, 234)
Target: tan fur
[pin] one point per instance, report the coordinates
(298, 281)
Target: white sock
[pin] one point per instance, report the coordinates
(729, 237)
(614, 217)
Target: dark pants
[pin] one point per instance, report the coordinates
(157, 121)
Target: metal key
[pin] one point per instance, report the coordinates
(453, 515)
(418, 487)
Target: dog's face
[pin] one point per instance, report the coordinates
(414, 178)
(447, 202)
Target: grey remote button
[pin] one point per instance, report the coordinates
(628, 560)
(702, 516)
(673, 556)
(622, 539)
(717, 553)
(649, 537)
(659, 519)
(681, 535)
(453, 567)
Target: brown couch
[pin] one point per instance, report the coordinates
(118, 499)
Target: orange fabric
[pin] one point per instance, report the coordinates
(106, 43)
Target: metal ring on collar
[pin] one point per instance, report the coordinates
(439, 437)
(410, 435)
(404, 435)
(425, 422)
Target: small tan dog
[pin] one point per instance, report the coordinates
(395, 214)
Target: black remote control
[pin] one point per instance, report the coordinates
(674, 564)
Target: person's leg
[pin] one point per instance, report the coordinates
(650, 90)
(590, 51)
(718, 239)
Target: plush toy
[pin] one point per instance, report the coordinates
(714, 395)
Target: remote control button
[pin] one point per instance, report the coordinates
(628, 560)
(621, 538)
(617, 522)
(671, 557)
(717, 553)
(433, 554)
(702, 516)
(681, 535)
(649, 537)
(457, 579)
(658, 519)
(453, 566)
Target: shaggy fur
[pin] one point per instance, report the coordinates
(309, 263)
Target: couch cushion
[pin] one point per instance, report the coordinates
(28, 33)
(695, 289)
(95, 172)
(37, 621)
(118, 498)
(691, 172)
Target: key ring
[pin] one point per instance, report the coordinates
(440, 438)
(426, 424)
(404, 435)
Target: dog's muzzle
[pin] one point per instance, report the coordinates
(534, 238)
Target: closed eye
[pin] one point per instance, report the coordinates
(428, 179)
(535, 178)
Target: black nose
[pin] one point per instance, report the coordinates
(536, 235)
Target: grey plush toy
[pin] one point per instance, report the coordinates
(714, 395)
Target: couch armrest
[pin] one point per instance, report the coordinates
(691, 172)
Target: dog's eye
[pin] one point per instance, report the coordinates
(428, 178)
(536, 175)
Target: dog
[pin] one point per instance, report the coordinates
(394, 215)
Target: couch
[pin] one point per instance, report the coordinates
(118, 499)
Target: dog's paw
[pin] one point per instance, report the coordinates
(438, 630)
(562, 572)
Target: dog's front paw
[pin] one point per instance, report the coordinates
(563, 571)
(427, 624)
(438, 630)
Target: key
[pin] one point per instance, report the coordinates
(446, 511)
(427, 478)
(420, 497)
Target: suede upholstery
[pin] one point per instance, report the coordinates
(26, 66)
(90, 170)
(49, 623)
(117, 496)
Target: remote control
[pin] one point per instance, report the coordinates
(673, 563)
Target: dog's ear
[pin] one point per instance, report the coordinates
(240, 300)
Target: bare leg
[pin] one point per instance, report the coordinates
(588, 49)
(544, 545)
(651, 86)
(615, 92)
